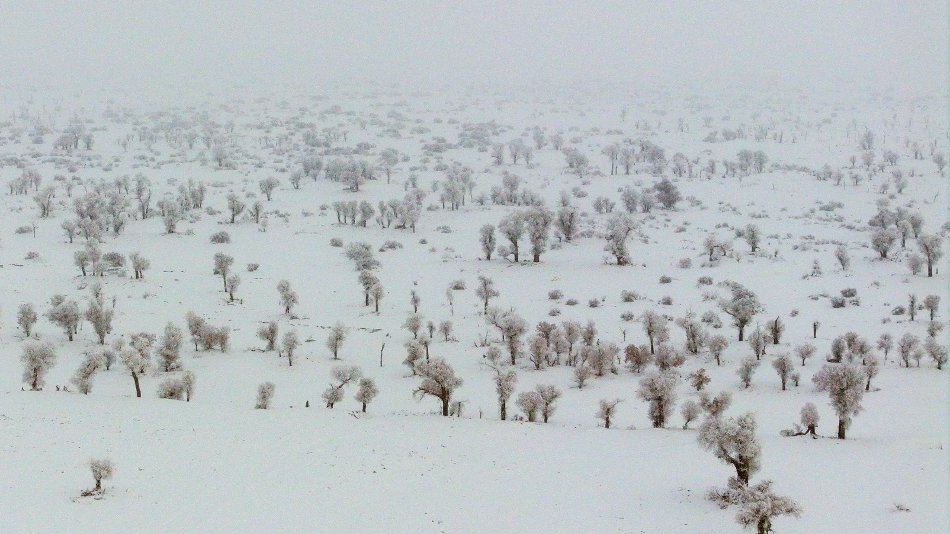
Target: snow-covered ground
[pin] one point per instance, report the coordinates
(217, 464)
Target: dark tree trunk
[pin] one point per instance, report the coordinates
(445, 407)
(842, 426)
(504, 410)
(138, 388)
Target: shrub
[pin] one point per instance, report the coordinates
(571, 302)
(629, 296)
(555, 294)
(849, 292)
(666, 301)
(665, 279)
(336, 242)
(221, 237)
(705, 281)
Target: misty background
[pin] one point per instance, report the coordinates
(895, 46)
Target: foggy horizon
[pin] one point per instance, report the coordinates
(885, 46)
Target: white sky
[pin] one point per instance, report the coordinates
(900, 44)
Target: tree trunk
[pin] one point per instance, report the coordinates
(537, 257)
(445, 407)
(364, 407)
(742, 473)
(138, 388)
(842, 426)
(741, 332)
(504, 410)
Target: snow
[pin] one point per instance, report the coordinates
(216, 464)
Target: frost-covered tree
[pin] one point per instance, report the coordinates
(343, 375)
(288, 297)
(366, 393)
(196, 325)
(413, 324)
(101, 470)
(841, 255)
(139, 265)
(530, 402)
(936, 351)
(659, 389)
(656, 329)
(753, 237)
(845, 385)
(804, 352)
(377, 293)
(335, 339)
(99, 314)
(84, 375)
(538, 222)
(882, 241)
(172, 389)
(188, 382)
(932, 303)
(717, 345)
(361, 254)
(512, 227)
(733, 441)
(666, 193)
(884, 344)
(637, 357)
(65, 314)
(231, 285)
(137, 358)
(746, 369)
(690, 412)
(872, 366)
(265, 392)
(906, 346)
(268, 333)
(26, 317)
(549, 395)
(222, 267)
(268, 185)
(235, 206)
(617, 233)
(809, 423)
(566, 222)
(742, 306)
(288, 345)
(486, 238)
(931, 246)
(607, 410)
(758, 504)
(439, 381)
(698, 379)
(783, 366)
(169, 348)
(38, 358)
(485, 291)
